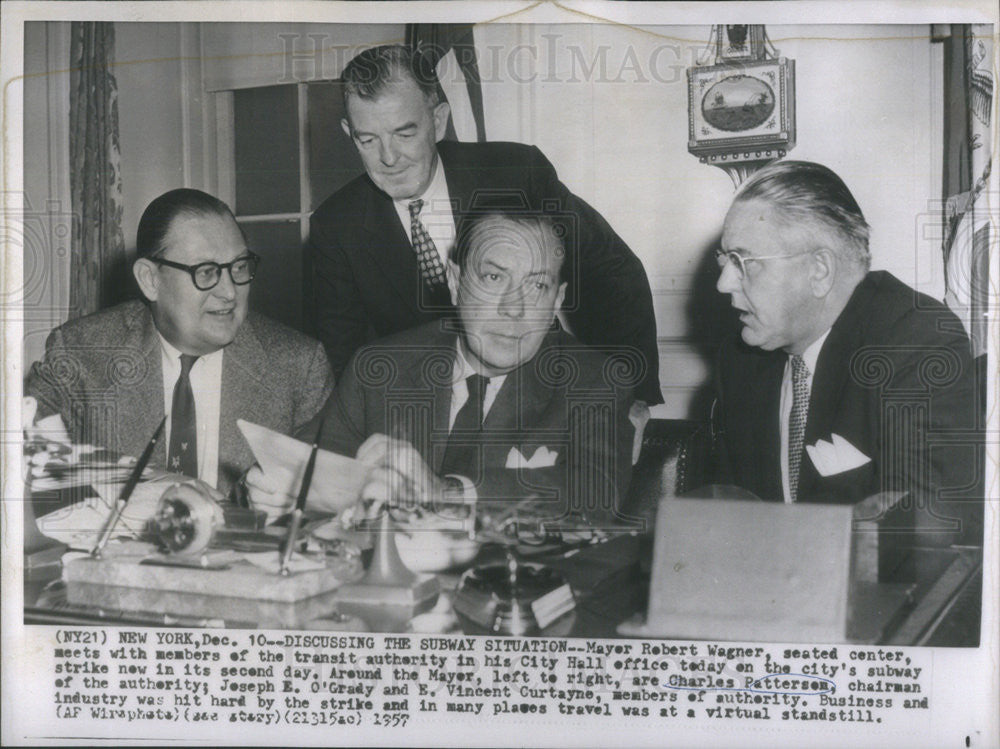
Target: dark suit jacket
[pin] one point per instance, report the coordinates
(895, 378)
(568, 399)
(366, 283)
(103, 374)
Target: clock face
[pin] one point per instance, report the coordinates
(738, 103)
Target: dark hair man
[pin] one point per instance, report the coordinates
(498, 406)
(380, 246)
(190, 350)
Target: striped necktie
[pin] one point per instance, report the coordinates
(431, 268)
(797, 422)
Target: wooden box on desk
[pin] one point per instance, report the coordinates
(766, 571)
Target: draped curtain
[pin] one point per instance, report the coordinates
(969, 87)
(451, 49)
(98, 273)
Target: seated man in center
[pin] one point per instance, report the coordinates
(498, 405)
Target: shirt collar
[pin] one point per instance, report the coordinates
(463, 370)
(811, 355)
(436, 192)
(174, 354)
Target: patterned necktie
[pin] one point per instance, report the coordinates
(459, 455)
(797, 422)
(431, 268)
(183, 452)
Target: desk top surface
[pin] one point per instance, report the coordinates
(610, 584)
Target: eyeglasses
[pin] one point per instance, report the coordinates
(738, 262)
(207, 275)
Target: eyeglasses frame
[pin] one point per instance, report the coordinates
(253, 257)
(741, 261)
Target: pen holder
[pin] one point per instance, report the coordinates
(389, 594)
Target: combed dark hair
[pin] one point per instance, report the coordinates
(806, 192)
(367, 75)
(160, 213)
(532, 227)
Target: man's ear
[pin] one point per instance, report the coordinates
(561, 295)
(346, 127)
(441, 112)
(822, 271)
(146, 276)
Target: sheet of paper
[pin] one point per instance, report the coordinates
(337, 481)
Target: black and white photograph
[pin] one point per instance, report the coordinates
(500, 374)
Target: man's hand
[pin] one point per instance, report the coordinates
(399, 473)
(264, 496)
(638, 414)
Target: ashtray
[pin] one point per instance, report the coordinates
(510, 598)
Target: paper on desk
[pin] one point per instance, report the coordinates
(51, 427)
(337, 481)
(79, 525)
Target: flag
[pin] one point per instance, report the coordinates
(970, 81)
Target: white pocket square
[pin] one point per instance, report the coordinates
(543, 458)
(837, 456)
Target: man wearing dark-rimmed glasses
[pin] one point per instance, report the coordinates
(846, 382)
(190, 350)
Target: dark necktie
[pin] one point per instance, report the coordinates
(431, 268)
(797, 422)
(183, 453)
(461, 454)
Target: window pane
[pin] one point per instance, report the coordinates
(276, 291)
(333, 160)
(267, 150)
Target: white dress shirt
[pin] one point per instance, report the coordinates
(206, 384)
(810, 356)
(436, 214)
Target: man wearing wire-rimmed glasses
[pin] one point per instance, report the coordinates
(846, 382)
(190, 350)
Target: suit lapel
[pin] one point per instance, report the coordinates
(418, 403)
(522, 398)
(434, 452)
(461, 181)
(389, 247)
(245, 395)
(140, 406)
(830, 380)
(769, 446)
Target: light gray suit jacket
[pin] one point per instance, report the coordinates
(103, 374)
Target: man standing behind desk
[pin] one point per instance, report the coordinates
(496, 407)
(380, 245)
(190, 350)
(847, 382)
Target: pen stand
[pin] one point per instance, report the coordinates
(389, 594)
(199, 572)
